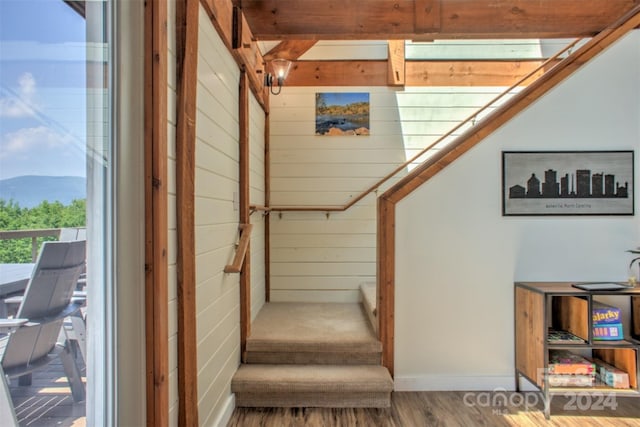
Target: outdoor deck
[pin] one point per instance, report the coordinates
(47, 402)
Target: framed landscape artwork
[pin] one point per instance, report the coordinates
(342, 113)
(567, 183)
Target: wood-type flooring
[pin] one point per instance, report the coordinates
(450, 409)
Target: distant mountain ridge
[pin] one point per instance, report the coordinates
(30, 190)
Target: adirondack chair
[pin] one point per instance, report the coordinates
(31, 340)
(75, 326)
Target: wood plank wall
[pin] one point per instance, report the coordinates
(217, 218)
(257, 197)
(315, 257)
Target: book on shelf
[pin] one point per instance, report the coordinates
(607, 322)
(555, 336)
(611, 376)
(576, 380)
(565, 362)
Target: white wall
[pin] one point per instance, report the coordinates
(320, 258)
(457, 257)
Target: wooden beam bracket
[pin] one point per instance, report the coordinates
(396, 64)
(241, 249)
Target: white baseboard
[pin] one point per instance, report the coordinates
(442, 382)
(227, 411)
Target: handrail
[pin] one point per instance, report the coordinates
(258, 208)
(33, 234)
(241, 250)
(391, 174)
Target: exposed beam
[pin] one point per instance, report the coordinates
(418, 73)
(247, 53)
(187, 12)
(236, 35)
(289, 49)
(429, 19)
(396, 63)
(428, 16)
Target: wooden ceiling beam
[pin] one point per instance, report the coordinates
(289, 49)
(418, 73)
(429, 19)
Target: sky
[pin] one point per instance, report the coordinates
(344, 98)
(42, 89)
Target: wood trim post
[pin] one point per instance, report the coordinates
(156, 224)
(187, 12)
(385, 288)
(267, 200)
(245, 273)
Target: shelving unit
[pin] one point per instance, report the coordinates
(558, 305)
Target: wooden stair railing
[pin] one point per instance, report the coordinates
(241, 249)
(417, 177)
(550, 62)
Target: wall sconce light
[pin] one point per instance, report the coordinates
(280, 69)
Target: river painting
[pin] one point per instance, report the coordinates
(342, 113)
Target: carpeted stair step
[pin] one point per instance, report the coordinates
(369, 302)
(321, 386)
(313, 333)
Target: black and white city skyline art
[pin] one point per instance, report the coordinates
(567, 183)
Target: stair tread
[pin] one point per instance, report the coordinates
(312, 327)
(311, 378)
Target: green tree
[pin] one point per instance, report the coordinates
(45, 215)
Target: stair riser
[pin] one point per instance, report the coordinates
(303, 358)
(313, 400)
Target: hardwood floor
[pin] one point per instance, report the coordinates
(455, 409)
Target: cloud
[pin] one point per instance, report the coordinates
(33, 142)
(22, 103)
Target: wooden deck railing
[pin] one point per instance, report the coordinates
(241, 250)
(551, 62)
(33, 234)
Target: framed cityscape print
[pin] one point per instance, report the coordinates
(567, 183)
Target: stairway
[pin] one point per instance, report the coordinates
(312, 355)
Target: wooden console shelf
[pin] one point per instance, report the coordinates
(540, 306)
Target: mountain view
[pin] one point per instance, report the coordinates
(30, 191)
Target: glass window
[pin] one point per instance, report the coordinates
(56, 172)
